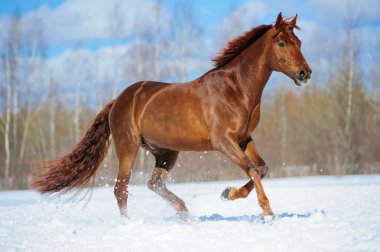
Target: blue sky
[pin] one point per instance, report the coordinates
(9, 6)
(69, 24)
(209, 14)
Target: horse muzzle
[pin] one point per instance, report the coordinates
(301, 78)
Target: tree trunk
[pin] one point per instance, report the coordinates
(7, 117)
(27, 118)
(52, 113)
(35, 50)
(76, 119)
(157, 47)
(284, 127)
(350, 80)
(139, 60)
(15, 80)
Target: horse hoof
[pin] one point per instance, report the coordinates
(183, 216)
(226, 194)
(124, 219)
(267, 218)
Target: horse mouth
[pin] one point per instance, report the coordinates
(298, 81)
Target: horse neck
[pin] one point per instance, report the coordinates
(252, 69)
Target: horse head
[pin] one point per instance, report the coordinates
(286, 55)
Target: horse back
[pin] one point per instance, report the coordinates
(167, 115)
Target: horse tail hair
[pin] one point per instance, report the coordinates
(77, 170)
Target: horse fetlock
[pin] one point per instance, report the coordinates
(243, 193)
(180, 206)
(264, 204)
(120, 191)
(255, 170)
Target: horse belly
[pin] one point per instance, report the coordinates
(176, 123)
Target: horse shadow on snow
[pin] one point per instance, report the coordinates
(257, 218)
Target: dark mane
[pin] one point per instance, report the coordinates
(238, 44)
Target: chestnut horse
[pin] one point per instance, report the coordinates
(218, 111)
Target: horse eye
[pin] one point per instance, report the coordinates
(281, 44)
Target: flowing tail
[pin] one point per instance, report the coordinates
(77, 169)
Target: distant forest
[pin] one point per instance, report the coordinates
(330, 127)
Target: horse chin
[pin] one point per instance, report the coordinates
(300, 82)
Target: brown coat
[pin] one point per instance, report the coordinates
(217, 111)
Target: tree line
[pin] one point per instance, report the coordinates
(329, 127)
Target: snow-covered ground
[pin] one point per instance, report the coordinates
(312, 214)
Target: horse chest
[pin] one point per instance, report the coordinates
(254, 119)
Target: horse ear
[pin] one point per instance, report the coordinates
(294, 20)
(278, 20)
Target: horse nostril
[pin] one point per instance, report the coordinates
(302, 74)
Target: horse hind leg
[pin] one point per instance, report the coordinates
(165, 160)
(126, 153)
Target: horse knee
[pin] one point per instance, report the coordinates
(155, 185)
(263, 171)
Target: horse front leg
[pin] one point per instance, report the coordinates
(231, 149)
(233, 193)
(255, 175)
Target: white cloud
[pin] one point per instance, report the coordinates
(84, 20)
(321, 22)
(241, 19)
(337, 10)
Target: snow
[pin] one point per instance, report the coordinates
(312, 214)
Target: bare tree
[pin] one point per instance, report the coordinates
(7, 114)
(117, 30)
(52, 115)
(347, 73)
(187, 33)
(37, 48)
(284, 125)
(78, 60)
(157, 45)
(140, 74)
(77, 109)
(350, 25)
(11, 68)
(14, 44)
